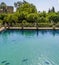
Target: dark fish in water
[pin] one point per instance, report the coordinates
(7, 63)
(4, 61)
(24, 60)
(47, 62)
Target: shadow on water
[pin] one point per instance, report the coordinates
(47, 62)
(25, 60)
(30, 32)
(5, 62)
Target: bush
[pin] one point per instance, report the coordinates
(1, 23)
(44, 25)
(32, 18)
(42, 20)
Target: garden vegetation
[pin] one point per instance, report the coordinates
(27, 15)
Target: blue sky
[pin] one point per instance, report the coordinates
(40, 4)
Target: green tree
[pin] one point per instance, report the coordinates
(54, 17)
(7, 19)
(32, 18)
(17, 4)
(3, 6)
(11, 19)
(30, 8)
(49, 10)
(1, 22)
(2, 16)
(42, 20)
(42, 14)
(53, 9)
(22, 16)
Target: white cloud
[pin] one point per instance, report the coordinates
(58, 1)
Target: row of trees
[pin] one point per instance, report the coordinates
(27, 13)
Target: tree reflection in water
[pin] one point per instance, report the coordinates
(30, 32)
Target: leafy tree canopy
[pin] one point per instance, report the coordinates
(25, 6)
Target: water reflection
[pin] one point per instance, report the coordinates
(30, 32)
(37, 32)
(31, 48)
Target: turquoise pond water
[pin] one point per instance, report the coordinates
(29, 47)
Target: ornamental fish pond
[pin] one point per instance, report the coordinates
(29, 47)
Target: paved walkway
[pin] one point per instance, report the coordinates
(26, 28)
(2, 28)
(34, 28)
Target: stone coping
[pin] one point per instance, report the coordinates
(29, 28)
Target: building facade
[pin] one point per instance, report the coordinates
(8, 9)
